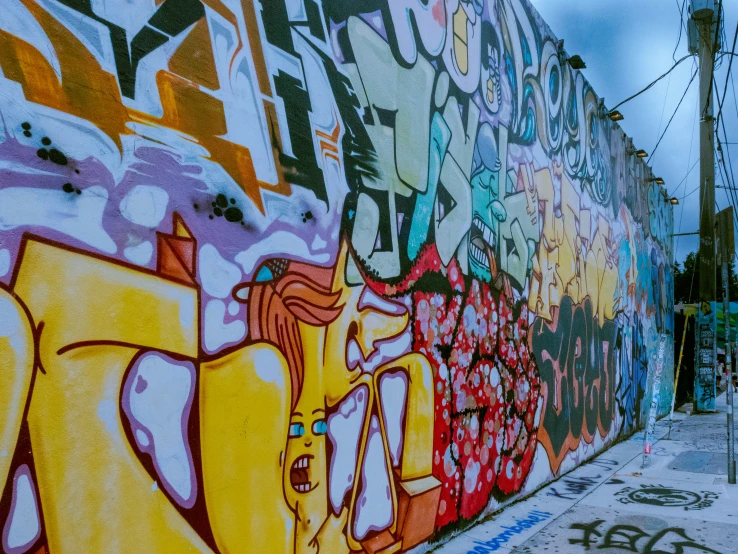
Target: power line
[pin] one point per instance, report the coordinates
(673, 57)
(730, 162)
(689, 157)
(714, 52)
(688, 172)
(731, 191)
(681, 27)
(686, 175)
(729, 186)
(694, 269)
(690, 193)
(663, 107)
(721, 123)
(725, 88)
(652, 83)
(650, 158)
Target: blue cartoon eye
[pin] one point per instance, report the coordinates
(296, 430)
(320, 427)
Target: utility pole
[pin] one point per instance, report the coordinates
(703, 15)
(727, 251)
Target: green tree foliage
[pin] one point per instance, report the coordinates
(687, 280)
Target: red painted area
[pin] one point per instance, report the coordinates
(486, 395)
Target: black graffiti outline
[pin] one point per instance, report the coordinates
(667, 497)
(169, 20)
(585, 391)
(633, 535)
(574, 486)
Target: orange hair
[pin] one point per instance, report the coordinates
(301, 294)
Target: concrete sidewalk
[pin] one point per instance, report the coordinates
(680, 503)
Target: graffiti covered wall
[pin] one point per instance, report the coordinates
(308, 276)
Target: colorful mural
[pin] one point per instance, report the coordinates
(308, 276)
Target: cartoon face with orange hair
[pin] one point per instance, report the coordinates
(338, 452)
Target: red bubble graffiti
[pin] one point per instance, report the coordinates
(486, 393)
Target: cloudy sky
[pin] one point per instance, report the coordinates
(626, 44)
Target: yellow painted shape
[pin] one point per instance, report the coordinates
(96, 495)
(83, 298)
(310, 508)
(545, 188)
(16, 369)
(419, 486)
(591, 280)
(244, 415)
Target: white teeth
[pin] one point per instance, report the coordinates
(302, 462)
(303, 488)
(485, 230)
(479, 255)
(488, 235)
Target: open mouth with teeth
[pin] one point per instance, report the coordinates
(481, 241)
(300, 474)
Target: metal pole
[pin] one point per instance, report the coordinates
(705, 387)
(729, 364)
(725, 236)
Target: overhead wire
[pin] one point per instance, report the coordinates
(720, 122)
(731, 190)
(725, 88)
(694, 125)
(689, 158)
(730, 185)
(652, 83)
(714, 52)
(726, 153)
(691, 141)
(663, 107)
(653, 152)
(681, 27)
(673, 58)
(694, 269)
(684, 179)
(735, 96)
(686, 175)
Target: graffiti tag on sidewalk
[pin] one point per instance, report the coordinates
(633, 539)
(574, 486)
(658, 495)
(495, 543)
